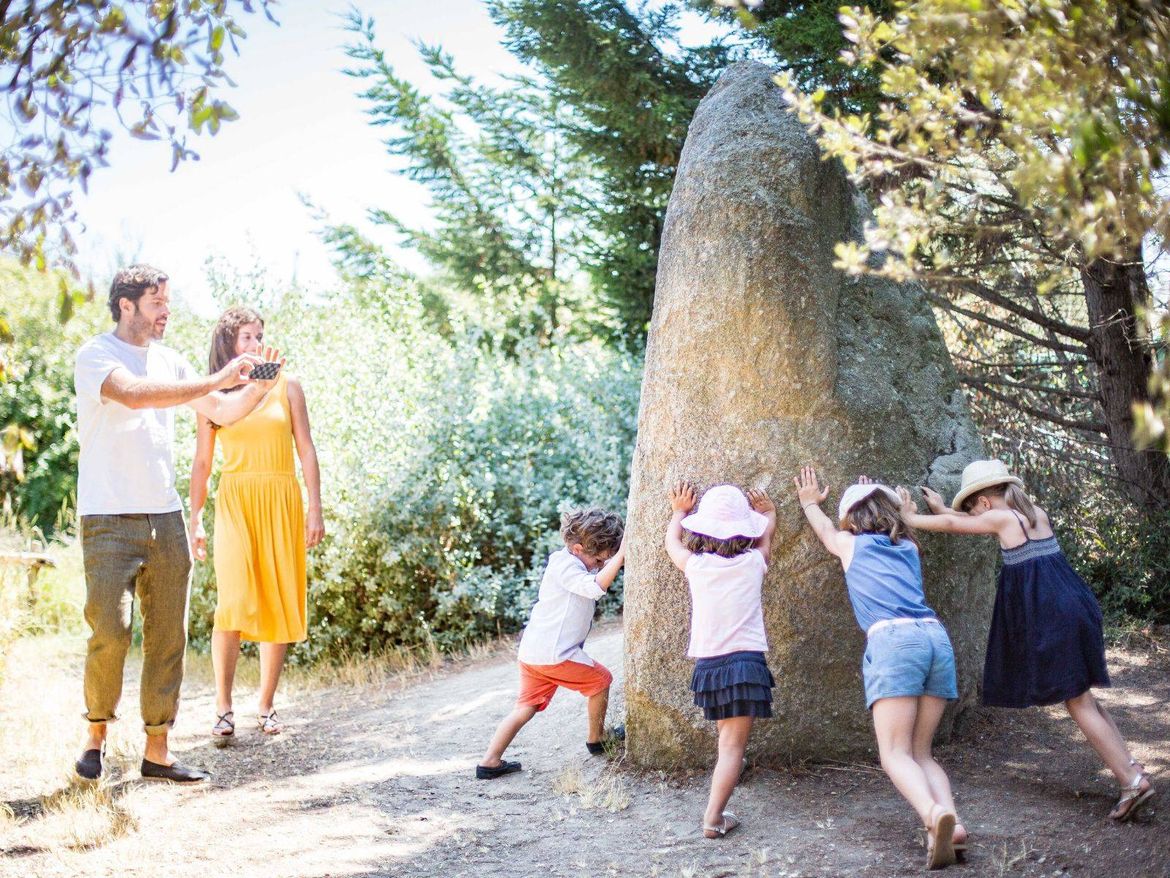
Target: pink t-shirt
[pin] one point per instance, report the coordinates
(727, 614)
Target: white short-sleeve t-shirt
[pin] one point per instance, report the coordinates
(127, 462)
(563, 613)
(727, 613)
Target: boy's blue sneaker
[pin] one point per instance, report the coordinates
(482, 772)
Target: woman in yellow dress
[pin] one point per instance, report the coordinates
(261, 529)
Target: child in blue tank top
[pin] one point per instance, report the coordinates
(909, 666)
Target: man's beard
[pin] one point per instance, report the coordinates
(145, 326)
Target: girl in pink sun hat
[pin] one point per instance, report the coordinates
(723, 549)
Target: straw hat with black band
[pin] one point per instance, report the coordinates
(980, 474)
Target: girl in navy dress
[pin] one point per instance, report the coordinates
(1046, 644)
(723, 549)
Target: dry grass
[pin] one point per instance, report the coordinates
(606, 793)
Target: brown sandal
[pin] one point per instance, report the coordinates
(940, 846)
(268, 723)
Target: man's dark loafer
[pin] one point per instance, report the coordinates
(482, 772)
(176, 772)
(89, 766)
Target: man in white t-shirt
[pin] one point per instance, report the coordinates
(133, 539)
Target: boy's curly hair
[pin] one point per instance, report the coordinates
(877, 514)
(599, 532)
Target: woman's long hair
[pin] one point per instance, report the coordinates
(878, 514)
(225, 335)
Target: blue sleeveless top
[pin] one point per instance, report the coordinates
(885, 581)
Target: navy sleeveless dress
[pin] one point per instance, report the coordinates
(1046, 643)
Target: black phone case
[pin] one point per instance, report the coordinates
(265, 371)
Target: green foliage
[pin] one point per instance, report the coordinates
(632, 90)
(1017, 175)
(38, 464)
(445, 463)
(67, 65)
(806, 39)
(508, 188)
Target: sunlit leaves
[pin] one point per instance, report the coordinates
(66, 64)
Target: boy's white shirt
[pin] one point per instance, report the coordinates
(563, 613)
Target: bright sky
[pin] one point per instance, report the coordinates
(301, 130)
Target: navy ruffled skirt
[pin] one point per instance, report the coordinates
(736, 684)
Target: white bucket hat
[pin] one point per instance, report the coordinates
(980, 474)
(723, 513)
(854, 494)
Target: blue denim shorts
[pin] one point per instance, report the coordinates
(911, 658)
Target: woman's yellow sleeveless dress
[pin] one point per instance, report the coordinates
(259, 541)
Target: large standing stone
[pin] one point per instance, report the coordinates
(762, 357)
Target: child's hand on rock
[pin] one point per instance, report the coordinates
(933, 500)
(682, 497)
(760, 501)
(808, 490)
(909, 507)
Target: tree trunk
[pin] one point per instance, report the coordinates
(1115, 293)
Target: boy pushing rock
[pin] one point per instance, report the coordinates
(552, 653)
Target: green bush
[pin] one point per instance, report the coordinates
(37, 407)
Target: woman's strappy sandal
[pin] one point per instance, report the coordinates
(225, 726)
(728, 823)
(1133, 798)
(268, 723)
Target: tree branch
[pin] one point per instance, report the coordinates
(980, 380)
(1045, 414)
(947, 305)
(1038, 317)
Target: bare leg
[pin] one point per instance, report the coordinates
(157, 751)
(733, 738)
(894, 722)
(930, 711)
(1102, 735)
(271, 663)
(225, 652)
(505, 732)
(598, 704)
(95, 736)
(1109, 719)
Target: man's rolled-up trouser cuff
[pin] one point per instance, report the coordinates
(85, 715)
(160, 729)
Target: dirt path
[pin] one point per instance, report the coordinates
(375, 782)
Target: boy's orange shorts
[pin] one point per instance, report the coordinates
(538, 683)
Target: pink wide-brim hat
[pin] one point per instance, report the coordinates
(723, 513)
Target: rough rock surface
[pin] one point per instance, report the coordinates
(762, 357)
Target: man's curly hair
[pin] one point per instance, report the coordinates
(599, 532)
(132, 283)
